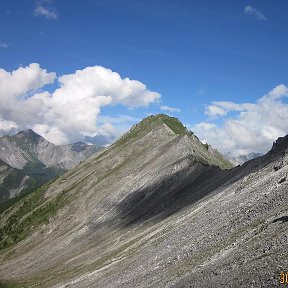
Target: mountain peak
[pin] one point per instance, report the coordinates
(173, 123)
(28, 134)
(153, 122)
(78, 146)
(164, 129)
(280, 144)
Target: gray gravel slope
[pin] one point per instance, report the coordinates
(152, 211)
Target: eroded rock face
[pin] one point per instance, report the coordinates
(38, 159)
(281, 144)
(12, 181)
(154, 210)
(27, 146)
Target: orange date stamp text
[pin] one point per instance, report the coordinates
(283, 278)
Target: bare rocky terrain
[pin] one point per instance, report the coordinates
(11, 181)
(156, 209)
(38, 159)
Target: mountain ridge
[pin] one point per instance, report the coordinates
(175, 126)
(151, 198)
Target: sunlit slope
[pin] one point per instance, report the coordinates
(153, 209)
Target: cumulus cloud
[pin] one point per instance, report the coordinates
(24, 79)
(71, 111)
(253, 129)
(222, 108)
(249, 10)
(97, 80)
(170, 109)
(52, 133)
(112, 127)
(3, 45)
(214, 111)
(7, 125)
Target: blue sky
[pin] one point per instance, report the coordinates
(194, 54)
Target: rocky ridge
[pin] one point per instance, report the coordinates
(156, 209)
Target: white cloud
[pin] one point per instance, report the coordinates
(6, 125)
(253, 129)
(170, 109)
(20, 82)
(72, 110)
(249, 10)
(213, 110)
(46, 12)
(222, 108)
(3, 45)
(107, 129)
(121, 124)
(276, 93)
(94, 81)
(50, 132)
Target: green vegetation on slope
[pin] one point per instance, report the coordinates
(11, 181)
(40, 173)
(13, 284)
(35, 169)
(211, 156)
(32, 211)
(31, 186)
(174, 124)
(147, 124)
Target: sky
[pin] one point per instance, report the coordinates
(88, 70)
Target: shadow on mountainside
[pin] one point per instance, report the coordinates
(173, 193)
(282, 219)
(182, 189)
(168, 196)
(165, 197)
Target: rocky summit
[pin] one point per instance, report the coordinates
(35, 161)
(158, 208)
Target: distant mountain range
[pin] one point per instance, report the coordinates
(241, 159)
(28, 161)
